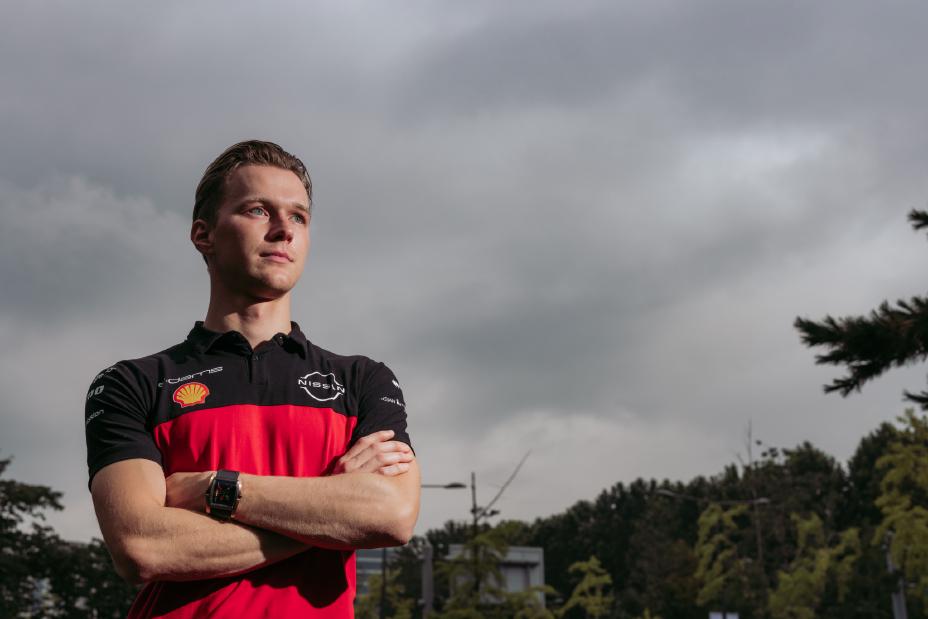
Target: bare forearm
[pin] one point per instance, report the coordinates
(178, 544)
(355, 510)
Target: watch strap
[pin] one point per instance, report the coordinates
(225, 475)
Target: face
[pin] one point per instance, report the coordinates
(258, 244)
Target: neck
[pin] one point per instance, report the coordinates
(257, 320)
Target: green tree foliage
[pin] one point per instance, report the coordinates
(721, 571)
(662, 559)
(593, 593)
(903, 501)
(605, 527)
(890, 336)
(660, 555)
(859, 504)
(528, 605)
(474, 576)
(42, 575)
(23, 557)
(870, 585)
(646, 533)
(397, 604)
(781, 483)
(406, 561)
(480, 563)
(801, 587)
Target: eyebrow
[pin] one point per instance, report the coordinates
(264, 200)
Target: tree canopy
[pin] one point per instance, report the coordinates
(42, 575)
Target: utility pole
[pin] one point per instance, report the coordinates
(486, 512)
(383, 583)
(428, 591)
(899, 609)
(474, 530)
(755, 505)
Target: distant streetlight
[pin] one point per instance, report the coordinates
(697, 499)
(477, 513)
(427, 593)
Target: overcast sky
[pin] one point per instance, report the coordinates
(580, 228)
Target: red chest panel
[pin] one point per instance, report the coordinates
(297, 441)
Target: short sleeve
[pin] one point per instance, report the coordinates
(381, 406)
(115, 420)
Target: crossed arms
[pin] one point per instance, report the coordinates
(157, 528)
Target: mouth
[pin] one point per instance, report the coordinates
(277, 256)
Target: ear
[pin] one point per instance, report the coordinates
(201, 237)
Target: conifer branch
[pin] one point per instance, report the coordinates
(918, 219)
(890, 336)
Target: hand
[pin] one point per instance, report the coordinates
(376, 453)
(187, 490)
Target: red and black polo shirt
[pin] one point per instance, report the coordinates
(212, 402)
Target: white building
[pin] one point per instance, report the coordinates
(522, 567)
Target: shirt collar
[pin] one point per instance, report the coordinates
(298, 339)
(203, 339)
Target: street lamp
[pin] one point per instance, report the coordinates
(428, 595)
(696, 499)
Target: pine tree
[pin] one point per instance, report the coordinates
(890, 336)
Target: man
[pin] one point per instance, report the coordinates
(235, 472)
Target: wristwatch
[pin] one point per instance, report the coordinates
(223, 494)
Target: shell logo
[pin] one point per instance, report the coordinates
(191, 394)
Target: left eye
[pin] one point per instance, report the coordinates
(299, 219)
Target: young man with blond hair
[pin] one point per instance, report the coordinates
(235, 473)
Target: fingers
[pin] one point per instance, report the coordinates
(366, 442)
(359, 454)
(395, 469)
(371, 460)
(374, 453)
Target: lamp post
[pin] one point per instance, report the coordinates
(428, 595)
(477, 513)
(696, 499)
(898, 597)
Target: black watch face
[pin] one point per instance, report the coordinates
(224, 493)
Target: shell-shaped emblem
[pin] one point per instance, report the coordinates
(191, 394)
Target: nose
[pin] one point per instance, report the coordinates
(281, 229)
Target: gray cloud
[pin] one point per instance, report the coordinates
(70, 249)
(582, 228)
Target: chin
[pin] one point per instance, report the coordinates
(275, 289)
(274, 283)
(262, 289)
